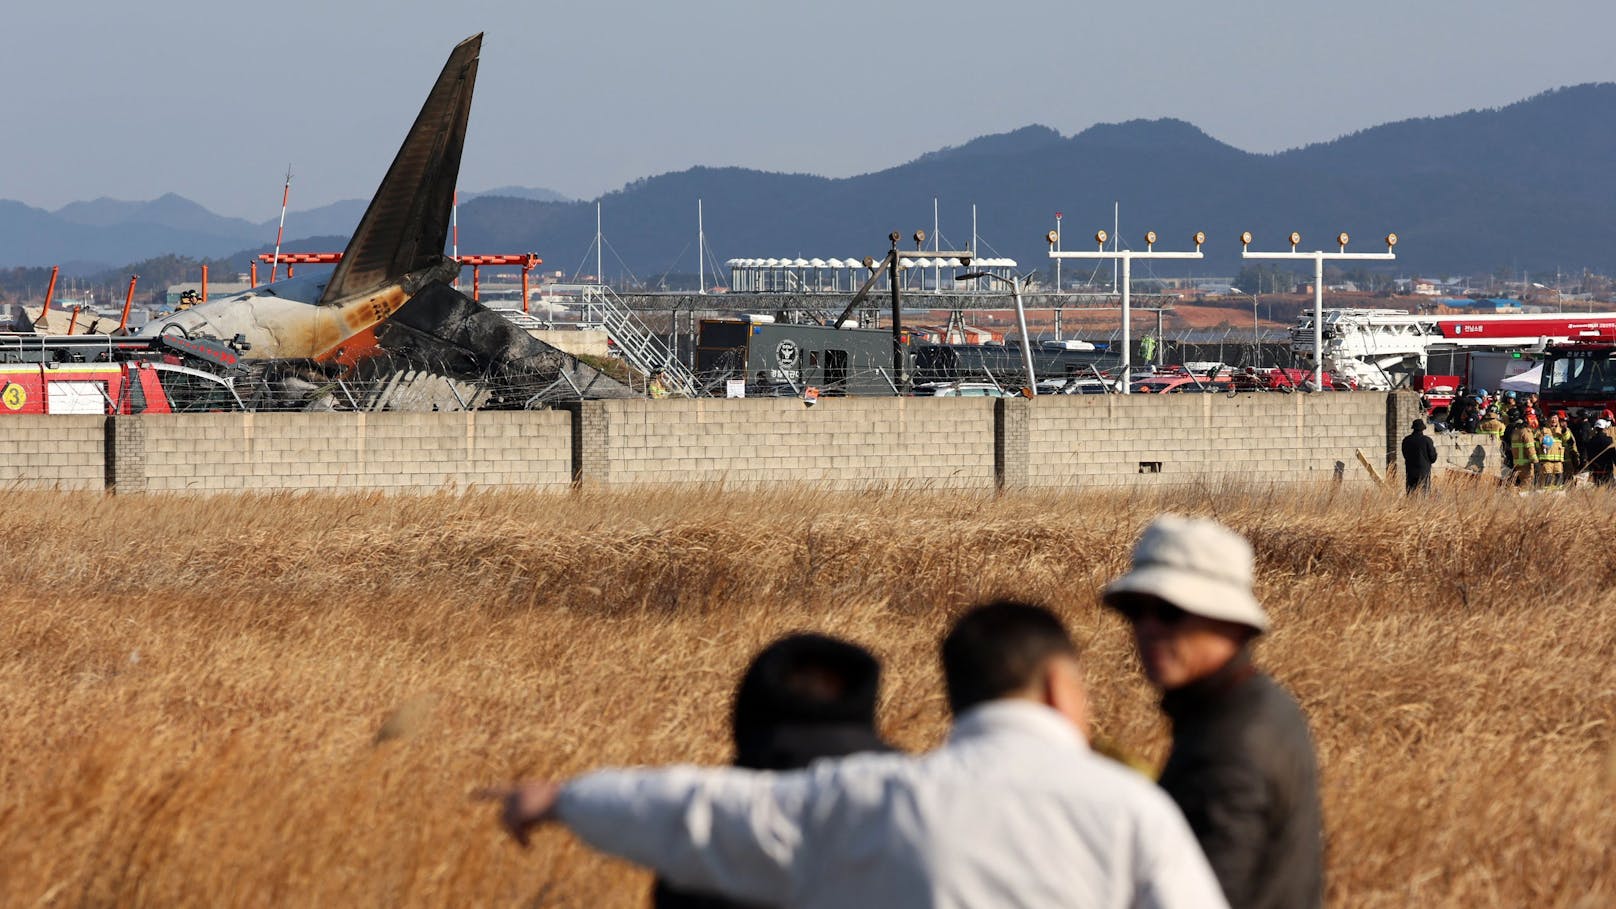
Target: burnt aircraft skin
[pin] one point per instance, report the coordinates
(395, 251)
(395, 254)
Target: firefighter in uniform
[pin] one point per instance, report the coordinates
(1523, 453)
(1490, 425)
(1557, 443)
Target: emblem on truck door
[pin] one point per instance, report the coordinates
(785, 353)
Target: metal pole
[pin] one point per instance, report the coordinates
(1116, 239)
(898, 372)
(701, 254)
(1127, 342)
(1026, 344)
(1318, 321)
(600, 257)
(50, 289)
(286, 193)
(1057, 249)
(128, 301)
(1256, 358)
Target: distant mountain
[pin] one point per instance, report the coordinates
(338, 218)
(530, 193)
(1523, 187)
(33, 236)
(1527, 186)
(169, 210)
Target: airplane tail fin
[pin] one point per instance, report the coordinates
(405, 227)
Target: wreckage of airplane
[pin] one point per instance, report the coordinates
(388, 309)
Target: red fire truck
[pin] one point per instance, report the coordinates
(112, 388)
(1579, 376)
(102, 375)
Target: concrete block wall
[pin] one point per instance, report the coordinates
(1477, 453)
(402, 452)
(840, 443)
(44, 452)
(1145, 440)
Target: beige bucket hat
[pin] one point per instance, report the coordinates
(1196, 564)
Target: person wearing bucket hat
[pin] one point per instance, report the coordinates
(1419, 455)
(1242, 765)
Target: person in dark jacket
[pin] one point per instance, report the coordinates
(1600, 453)
(805, 697)
(1419, 454)
(1242, 765)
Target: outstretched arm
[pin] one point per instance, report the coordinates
(733, 832)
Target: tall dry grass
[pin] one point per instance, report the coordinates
(285, 700)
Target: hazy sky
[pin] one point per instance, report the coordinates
(212, 100)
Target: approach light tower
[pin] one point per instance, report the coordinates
(1318, 257)
(1126, 256)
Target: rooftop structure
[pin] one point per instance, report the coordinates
(836, 276)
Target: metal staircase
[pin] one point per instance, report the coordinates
(641, 348)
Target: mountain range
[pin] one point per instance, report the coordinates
(88, 236)
(1525, 187)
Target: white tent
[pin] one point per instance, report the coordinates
(1525, 382)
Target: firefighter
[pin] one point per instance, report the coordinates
(1556, 444)
(1490, 425)
(1523, 453)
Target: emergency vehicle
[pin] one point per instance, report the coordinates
(1378, 348)
(112, 388)
(98, 374)
(1579, 376)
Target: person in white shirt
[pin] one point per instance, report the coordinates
(1014, 810)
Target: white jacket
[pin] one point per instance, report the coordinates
(1014, 810)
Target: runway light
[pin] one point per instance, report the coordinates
(1051, 237)
(1245, 238)
(920, 238)
(1101, 236)
(1342, 238)
(1150, 238)
(1199, 238)
(1296, 238)
(1391, 240)
(869, 262)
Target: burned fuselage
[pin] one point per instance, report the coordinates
(310, 328)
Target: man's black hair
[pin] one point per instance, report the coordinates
(998, 649)
(805, 679)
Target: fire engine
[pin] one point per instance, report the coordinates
(87, 374)
(1578, 375)
(1377, 348)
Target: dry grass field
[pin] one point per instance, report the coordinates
(286, 700)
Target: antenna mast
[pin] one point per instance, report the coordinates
(286, 193)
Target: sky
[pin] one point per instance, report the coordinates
(212, 100)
